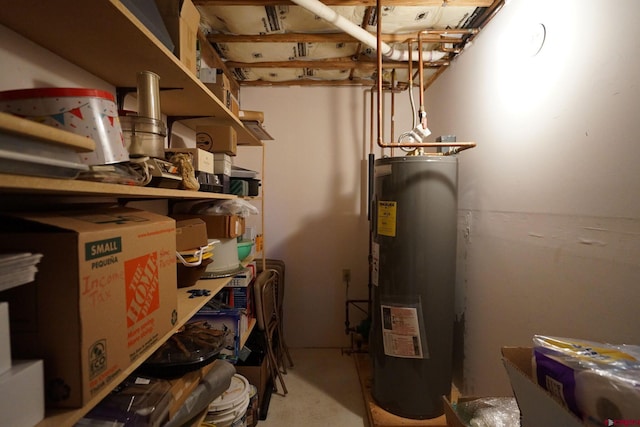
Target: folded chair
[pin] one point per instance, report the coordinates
(267, 320)
(278, 265)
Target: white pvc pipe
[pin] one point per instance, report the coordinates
(325, 12)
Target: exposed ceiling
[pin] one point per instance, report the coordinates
(275, 42)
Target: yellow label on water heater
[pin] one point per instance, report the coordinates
(387, 218)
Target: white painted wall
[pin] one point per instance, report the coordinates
(315, 197)
(549, 206)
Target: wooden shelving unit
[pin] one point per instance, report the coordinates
(70, 187)
(104, 38)
(187, 306)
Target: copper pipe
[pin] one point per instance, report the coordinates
(460, 145)
(393, 107)
(379, 61)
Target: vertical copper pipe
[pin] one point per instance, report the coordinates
(393, 107)
(379, 63)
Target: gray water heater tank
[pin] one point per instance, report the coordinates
(414, 230)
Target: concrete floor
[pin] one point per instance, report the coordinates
(324, 390)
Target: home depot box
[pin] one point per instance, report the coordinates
(105, 292)
(218, 226)
(537, 407)
(182, 20)
(201, 160)
(217, 139)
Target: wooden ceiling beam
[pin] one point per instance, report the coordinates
(319, 38)
(330, 64)
(309, 82)
(471, 3)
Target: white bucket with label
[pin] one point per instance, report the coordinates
(230, 408)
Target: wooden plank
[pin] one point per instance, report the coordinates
(73, 187)
(31, 129)
(378, 417)
(321, 38)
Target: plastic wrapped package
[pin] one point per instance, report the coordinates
(599, 382)
(137, 402)
(489, 412)
(238, 207)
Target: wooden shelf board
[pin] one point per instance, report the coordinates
(70, 187)
(187, 307)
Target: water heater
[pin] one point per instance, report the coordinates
(414, 226)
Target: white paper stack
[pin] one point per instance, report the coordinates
(17, 269)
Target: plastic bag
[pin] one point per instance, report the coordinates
(238, 207)
(490, 412)
(598, 382)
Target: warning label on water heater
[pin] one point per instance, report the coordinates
(387, 218)
(401, 332)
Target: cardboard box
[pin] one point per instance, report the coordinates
(537, 406)
(453, 418)
(147, 12)
(217, 139)
(223, 90)
(256, 375)
(222, 163)
(201, 160)
(182, 20)
(218, 226)
(105, 292)
(22, 394)
(233, 320)
(190, 234)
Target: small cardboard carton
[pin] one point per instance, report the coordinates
(217, 139)
(190, 234)
(223, 90)
(233, 321)
(453, 418)
(537, 406)
(182, 20)
(218, 226)
(256, 375)
(201, 160)
(222, 163)
(105, 292)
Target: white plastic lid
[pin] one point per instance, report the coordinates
(235, 395)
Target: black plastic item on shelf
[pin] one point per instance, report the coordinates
(137, 401)
(195, 345)
(245, 186)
